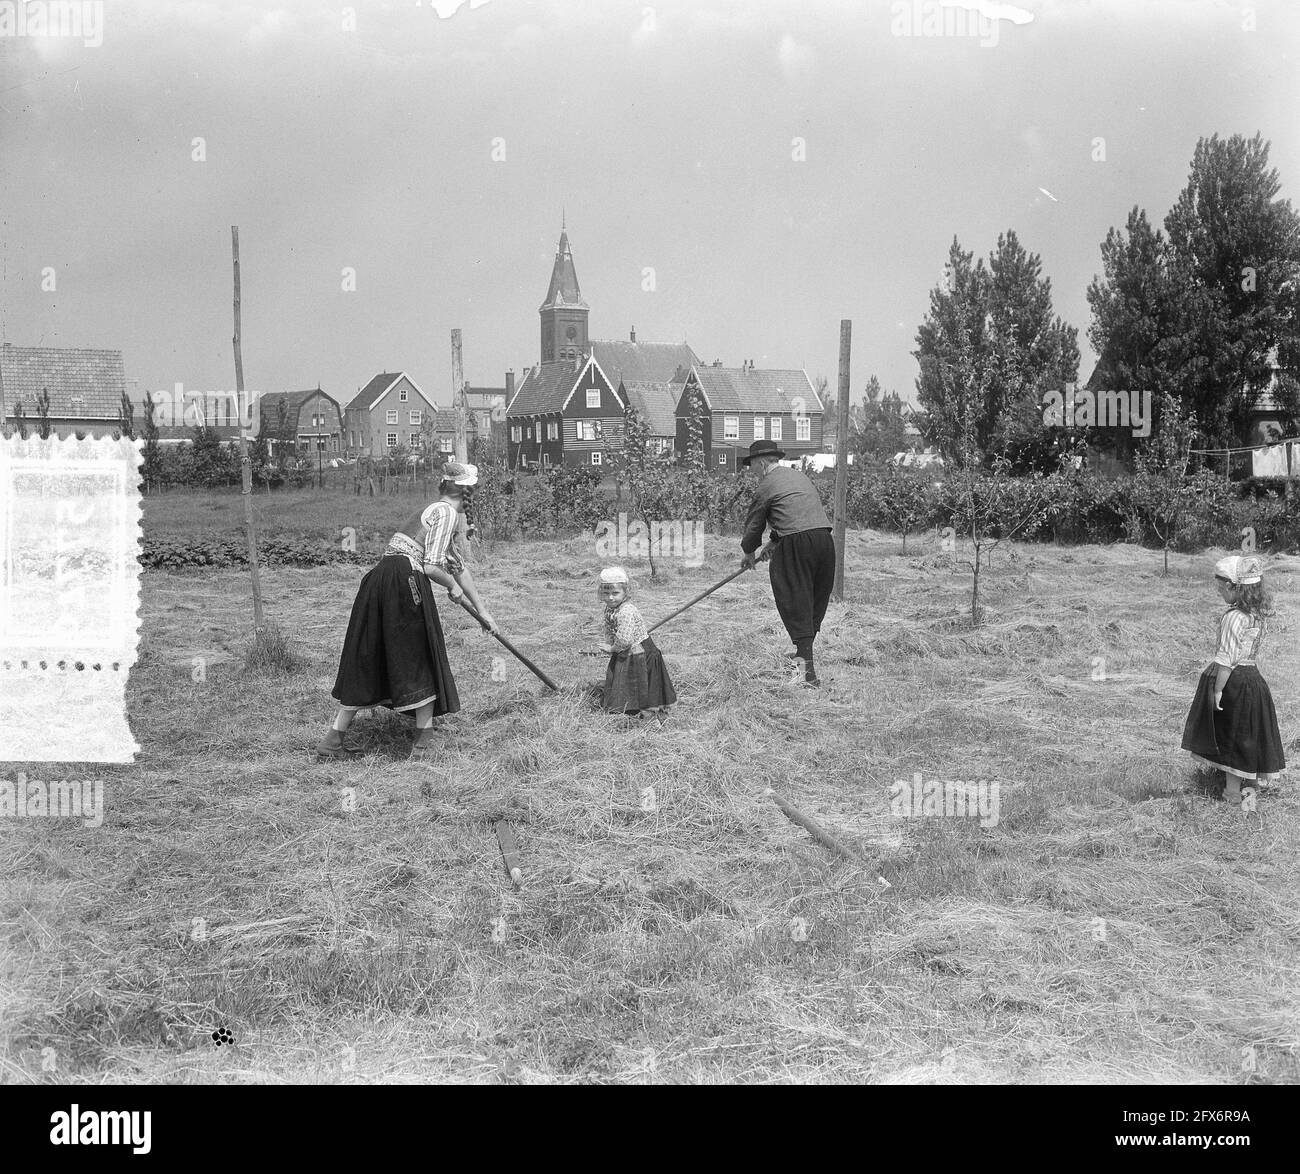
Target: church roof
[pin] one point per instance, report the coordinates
(639, 362)
(563, 290)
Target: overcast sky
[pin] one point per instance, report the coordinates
(666, 131)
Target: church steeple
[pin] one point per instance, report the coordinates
(564, 312)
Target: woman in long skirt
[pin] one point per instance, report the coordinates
(1232, 725)
(394, 654)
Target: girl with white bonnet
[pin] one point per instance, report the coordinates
(636, 681)
(394, 653)
(1232, 725)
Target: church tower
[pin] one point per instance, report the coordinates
(564, 313)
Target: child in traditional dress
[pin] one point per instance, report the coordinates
(636, 680)
(394, 654)
(1232, 725)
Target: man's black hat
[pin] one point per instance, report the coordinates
(763, 448)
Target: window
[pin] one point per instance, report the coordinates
(401, 394)
(552, 430)
(802, 428)
(759, 422)
(447, 444)
(722, 458)
(516, 434)
(776, 427)
(352, 439)
(390, 417)
(391, 440)
(590, 430)
(546, 460)
(593, 397)
(730, 427)
(415, 440)
(417, 417)
(595, 458)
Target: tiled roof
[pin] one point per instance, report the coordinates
(544, 389)
(656, 403)
(644, 362)
(741, 389)
(96, 377)
(374, 389)
(269, 405)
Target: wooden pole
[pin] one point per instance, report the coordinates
(458, 397)
(509, 851)
(705, 594)
(245, 461)
(528, 664)
(842, 457)
(811, 826)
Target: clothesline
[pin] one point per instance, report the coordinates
(1214, 452)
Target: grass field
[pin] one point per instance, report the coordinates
(1116, 924)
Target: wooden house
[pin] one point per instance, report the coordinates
(738, 405)
(565, 412)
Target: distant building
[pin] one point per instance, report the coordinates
(313, 419)
(389, 411)
(738, 405)
(569, 408)
(85, 388)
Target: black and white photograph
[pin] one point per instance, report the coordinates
(650, 543)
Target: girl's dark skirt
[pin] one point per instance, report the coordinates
(1242, 738)
(394, 654)
(636, 681)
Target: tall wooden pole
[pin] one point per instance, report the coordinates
(458, 397)
(842, 456)
(245, 461)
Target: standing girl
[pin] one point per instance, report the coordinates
(394, 653)
(636, 680)
(1232, 725)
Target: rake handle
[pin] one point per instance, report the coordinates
(528, 664)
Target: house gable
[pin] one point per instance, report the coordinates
(591, 377)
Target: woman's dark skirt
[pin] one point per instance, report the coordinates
(394, 654)
(637, 681)
(1242, 738)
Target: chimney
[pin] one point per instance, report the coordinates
(633, 338)
(510, 385)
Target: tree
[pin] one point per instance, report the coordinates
(43, 414)
(126, 416)
(902, 498)
(876, 425)
(1160, 489)
(1200, 311)
(20, 420)
(830, 414)
(151, 470)
(983, 315)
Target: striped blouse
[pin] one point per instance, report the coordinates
(441, 547)
(1240, 636)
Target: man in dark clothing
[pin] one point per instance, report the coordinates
(803, 561)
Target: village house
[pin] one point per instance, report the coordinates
(649, 376)
(390, 411)
(85, 388)
(313, 420)
(738, 405)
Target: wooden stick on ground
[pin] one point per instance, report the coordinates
(814, 829)
(509, 850)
